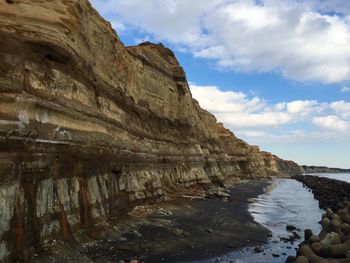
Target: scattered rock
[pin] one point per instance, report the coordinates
(333, 241)
(165, 212)
(290, 259)
(136, 233)
(258, 249)
(290, 228)
(218, 192)
(209, 230)
(296, 235)
(307, 234)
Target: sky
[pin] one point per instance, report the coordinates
(275, 72)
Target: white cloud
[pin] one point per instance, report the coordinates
(255, 118)
(292, 137)
(257, 134)
(301, 106)
(237, 110)
(303, 40)
(342, 108)
(345, 89)
(217, 101)
(332, 122)
(118, 26)
(259, 119)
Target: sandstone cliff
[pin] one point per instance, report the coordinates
(283, 166)
(89, 127)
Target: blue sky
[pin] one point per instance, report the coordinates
(276, 73)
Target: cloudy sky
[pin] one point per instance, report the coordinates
(275, 72)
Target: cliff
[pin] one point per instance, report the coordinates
(277, 164)
(89, 127)
(323, 169)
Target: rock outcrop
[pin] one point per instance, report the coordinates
(89, 127)
(332, 244)
(281, 166)
(323, 169)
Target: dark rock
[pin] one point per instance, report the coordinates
(290, 228)
(289, 239)
(258, 249)
(209, 230)
(218, 192)
(296, 235)
(290, 259)
(323, 169)
(329, 192)
(307, 234)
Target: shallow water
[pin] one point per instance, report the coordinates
(285, 202)
(341, 176)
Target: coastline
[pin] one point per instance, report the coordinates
(329, 192)
(332, 244)
(177, 230)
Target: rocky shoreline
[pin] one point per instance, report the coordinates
(323, 169)
(187, 227)
(332, 244)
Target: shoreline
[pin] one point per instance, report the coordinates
(332, 244)
(329, 192)
(178, 230)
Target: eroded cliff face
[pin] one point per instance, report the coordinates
(89, 127)
(279, 165)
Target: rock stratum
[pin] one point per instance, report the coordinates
(323, 169)
(89, 127)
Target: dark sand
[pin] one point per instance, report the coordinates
(196, 229)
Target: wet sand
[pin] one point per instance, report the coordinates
(185, 230)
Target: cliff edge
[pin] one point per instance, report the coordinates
(89, 127)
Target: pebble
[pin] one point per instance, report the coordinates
(209, 230)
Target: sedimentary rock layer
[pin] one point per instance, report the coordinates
(89, 127)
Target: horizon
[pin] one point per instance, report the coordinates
(276, 74)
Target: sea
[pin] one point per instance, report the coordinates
(284, 202)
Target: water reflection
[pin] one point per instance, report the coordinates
(285, 202)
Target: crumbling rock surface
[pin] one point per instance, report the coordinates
(89, 128)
